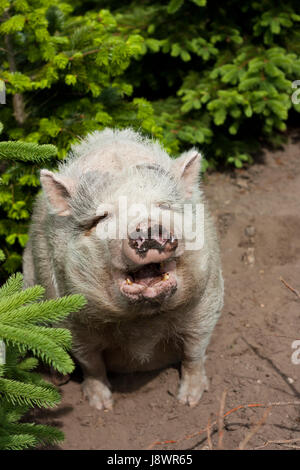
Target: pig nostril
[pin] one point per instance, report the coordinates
(154, 237)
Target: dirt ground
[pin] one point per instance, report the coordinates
(250, 356)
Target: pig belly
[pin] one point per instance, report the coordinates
(163, 355)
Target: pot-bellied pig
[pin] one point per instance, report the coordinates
(128, 227)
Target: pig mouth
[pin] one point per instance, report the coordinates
(153, 282)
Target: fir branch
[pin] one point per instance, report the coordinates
(31, 338)
(9, 414)
(14, 301)
(28, 394)
(27, 435)
(13, 284)
(26, 151)
(17, 441)
(28, 364)
(41, 432)
(46, 311)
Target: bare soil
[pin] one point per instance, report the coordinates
(250, 356)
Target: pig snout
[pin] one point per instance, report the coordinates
(150, 244)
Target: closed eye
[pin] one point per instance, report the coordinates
(165, 206)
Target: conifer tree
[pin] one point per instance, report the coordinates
(26, 337)
(24, 328)
(21, 161)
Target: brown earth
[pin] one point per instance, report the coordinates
(250, 355)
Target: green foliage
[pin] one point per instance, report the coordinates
(25, 151)
(188, 72)
(24, 328)
(21, 161)
(70, 71)
(64, 78)
(218, 75)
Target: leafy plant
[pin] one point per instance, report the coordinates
(18, 185)
(218, 75)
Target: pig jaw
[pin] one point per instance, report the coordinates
(152, 282)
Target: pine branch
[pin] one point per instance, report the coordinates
(14, 301)
(17, 441)
(31, 338)
(26, 151)
(41, 432)
(43, 312)
(26, 435)
(13, 284)
(28, 394)
(9, 414)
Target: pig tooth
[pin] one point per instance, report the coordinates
(128, 281)
(165, 276)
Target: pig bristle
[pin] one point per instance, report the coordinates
(123, 147)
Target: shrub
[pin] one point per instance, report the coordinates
(219, 75)
(16, 196)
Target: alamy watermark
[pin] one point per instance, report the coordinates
(140, 223)
(296, 354)
(2, 353)
(295, 96)
(2, 92)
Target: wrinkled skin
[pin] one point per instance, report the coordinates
(150, 302)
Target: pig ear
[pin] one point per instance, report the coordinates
(58, 191)
(187, 168)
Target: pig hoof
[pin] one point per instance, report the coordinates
(98, 394)
(191, 391)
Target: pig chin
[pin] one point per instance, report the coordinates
(152, 282)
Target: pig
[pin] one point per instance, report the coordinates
(151, 302)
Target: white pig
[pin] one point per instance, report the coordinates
(152, 298)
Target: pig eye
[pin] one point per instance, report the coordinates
(94, 222)
(164, 206)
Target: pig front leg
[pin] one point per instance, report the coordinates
(95, 387)
(193, 377)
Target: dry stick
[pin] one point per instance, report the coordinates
(233, 410)
(290, 287)
(285, 441)
(291, 446)
(221, 420)
(255, 429)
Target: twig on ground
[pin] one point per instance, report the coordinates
(291, 446)
(233, 410)
(283, 442)
(255, 429)
(290, 287)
